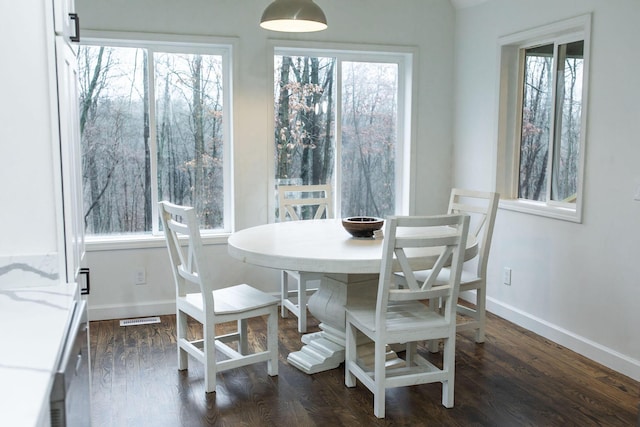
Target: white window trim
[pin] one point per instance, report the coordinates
(225, 46)
(133, 241)
(508, 100)
(407, 58)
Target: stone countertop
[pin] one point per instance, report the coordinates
(33, 325)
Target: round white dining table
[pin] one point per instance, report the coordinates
(349, 268)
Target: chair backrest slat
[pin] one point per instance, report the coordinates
(482, 207)
(442, 237)
(188, 275)
(291, 198)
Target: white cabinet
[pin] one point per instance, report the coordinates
(66, 21)
(67, 32)
(41, 221)
(70, 156)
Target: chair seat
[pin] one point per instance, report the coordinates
(402, 318)
(234, 299)
(240, 298)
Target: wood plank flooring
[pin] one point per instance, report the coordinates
(515, 378)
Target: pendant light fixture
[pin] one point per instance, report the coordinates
(293, 16)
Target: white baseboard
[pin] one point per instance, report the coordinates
(122, 311)
(590, 349)
(118, 311)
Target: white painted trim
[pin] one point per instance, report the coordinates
(126, 311)
(143, 241)
(120, 311)
(126, 38)
(581, 345)
(541, 209)
(550, 32)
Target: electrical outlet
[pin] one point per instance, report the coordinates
(140, 277)
(506, 276)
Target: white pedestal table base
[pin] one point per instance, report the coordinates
(324, 350)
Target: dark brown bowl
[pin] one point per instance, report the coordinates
(362, 226)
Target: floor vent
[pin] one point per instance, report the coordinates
(139, 321)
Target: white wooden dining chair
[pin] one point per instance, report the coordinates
(403, 315)
(298, 202)
(197, 298)
(481, 207)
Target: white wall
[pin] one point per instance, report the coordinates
(578, 284)
(426, 25)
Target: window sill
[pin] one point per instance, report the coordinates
(114, 243)
(541, 209)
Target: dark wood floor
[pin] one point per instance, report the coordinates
(515, 378)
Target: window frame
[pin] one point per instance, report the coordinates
(510, 72)
(405, 57)
(168, 43)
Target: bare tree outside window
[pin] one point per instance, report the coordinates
(551, 122)
(369, 120)
(120, 137)
(568, 115)
(305, 94)
(190, 133)
(304, 131)
(112, 104)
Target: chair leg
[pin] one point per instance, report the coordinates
(379, 379)
(434, 346)
(181, 329)
(272, 342)
(209, 349)
(243, 345)
(302, 304)
(350, 355)
(448, 365)
(411, 348)
(284, 292)
(435, 305)
(481, 315)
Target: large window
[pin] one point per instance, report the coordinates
(155, 126)
(340, 119)
(543, 104)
